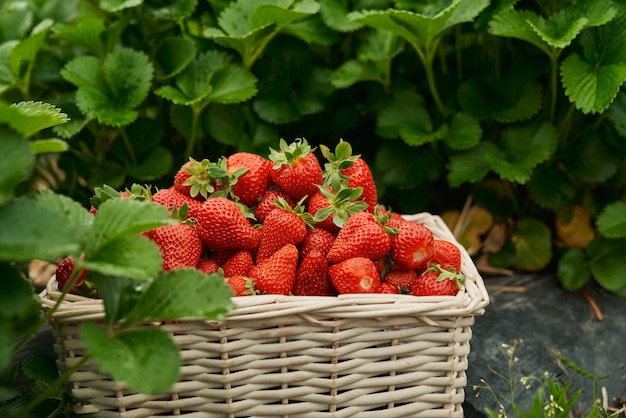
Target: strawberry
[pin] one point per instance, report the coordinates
(284, 225)
(180, 246)
(296, 169)
(193, 179)
(221, 256)
(277, 273)
(208, 265)
(255, 181)
(331, 209)
(361, 236)
(171, 198)
(316, 239)
(64, 271)
(436, 281)
(342, 165)
(401, 279)
(222, 225)
(412, 247)
(355, 275)
(446, 254)
(312, 278)
(239, 264)
(387, 288)
(268, 203)
(240, 285)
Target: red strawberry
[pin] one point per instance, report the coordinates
(401, 279)
(193, 179)
(446, 254)
(312, 278)
(239, 264)
(437, 282)
(412, 248)
(171, 198)
(282, 226)
(331, 209)
(276, 274)
(220, 256)
(268, 203)
(179, 244)
(316, 239)
(296, 169)
(361, 236)
(221, 225)
(64, 271)
(387, 288)
(342, 165)
(240, 285)
(208, 265)
(254, 182)
(355, 275)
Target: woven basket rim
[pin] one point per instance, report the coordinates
(470, 300)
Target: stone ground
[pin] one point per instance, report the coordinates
(543, 317)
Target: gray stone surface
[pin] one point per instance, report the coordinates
(546, 317)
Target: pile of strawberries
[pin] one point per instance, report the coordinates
(287, 224)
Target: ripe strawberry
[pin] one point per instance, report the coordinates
(239, 264)
(208, 265)
(254, 182)
(401, 279)
(342, 165)
(268, 203)
(64, 271)
(355, 275)
(412, 248)
(331, 209)
(171, 198)
(387, 288)
(361, 236)
(220, 256)
(446, 254)
(316, 239)
(240, 285)
(193, 179)
(436, 281)
(282, 226)
(221, 225)
(312, 278)
(179, 244)
(277, 273)
(296, 169)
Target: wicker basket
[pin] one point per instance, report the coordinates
(285, 356)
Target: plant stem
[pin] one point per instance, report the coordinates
(554, 67)
(197, 110)
(129, 146)
(427, 60)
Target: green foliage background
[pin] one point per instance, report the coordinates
(517, 105)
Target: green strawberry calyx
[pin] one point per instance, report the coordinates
(344, 202)
(447, 274)
(289, 154)
(338, 161)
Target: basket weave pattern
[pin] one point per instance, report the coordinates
(365, 355)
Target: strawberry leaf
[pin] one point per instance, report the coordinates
(155, 164)
(612, 220)
(40, 367)
(117, 5)
(195, 295)
(405, 113)
(16, 299)
(86, 33)
(464, 132)
(173, 55)
(354, 71)
(573, 269)
(118, 293)
(312, 30)
(17, 158)
(609, 257)
(232, 84)
(550, 187)
(335, 15)
(166, 10)
(146, 359)
(616, 113)
(590, 158)
(469, 166)
(532, 244)
(26, 50)
(43, 146)
(16, 21)
(28, 118)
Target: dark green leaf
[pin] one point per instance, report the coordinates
(17, 159)
(195, 295)
(28, 48)
(156, 164)
(75, 215)
(469, 166)
(41, 367)
(173, 55)
(120, 294)
(86, 33)
(131, 256)
(609, 258)
(403, 166)
(128, 74)
(312, 30)
(28, 118)
(117, 5)
(335, 15)
(146, 359)
(6, 343)
(232, 84)
(406, 111)
(616, 113)
(589, 158)
(226, 124)
(574, 269)
(354, 71)
(612, 220)
(464, 132)
(550, 187)
(533, 244)
(380, 45)
(17, 294)
(167, 10)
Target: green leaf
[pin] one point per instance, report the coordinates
(17, 294)
(132, 256)
(616, 113)
(379, 45)
(15, 21)
(533, 245)
(354, 71)
(232, 84)
(590, 158)
(612, 220)
(147, 359)
(118, 293)
(41, 367)
(195, 295)
(313, 31)
(464, 132)
(6, 341)
(550, 187)
(226, 124)
(248, 46)
(30, 231)
(335, 15)
(128, 74)
(166, 10)
(75, 214)
(26, 50)
(28, 118)
(156, 164)
(117, 5)
(120, 217)
(573, 269)
(17, 158)
(520, 150)
(86, 33)
(407, 111)
(43, 146)
(265, 14)
(468, 166)
(7, 78)
(609, 257)
(406, 167)
(173, 55)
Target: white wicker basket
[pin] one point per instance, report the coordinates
(355, 355)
